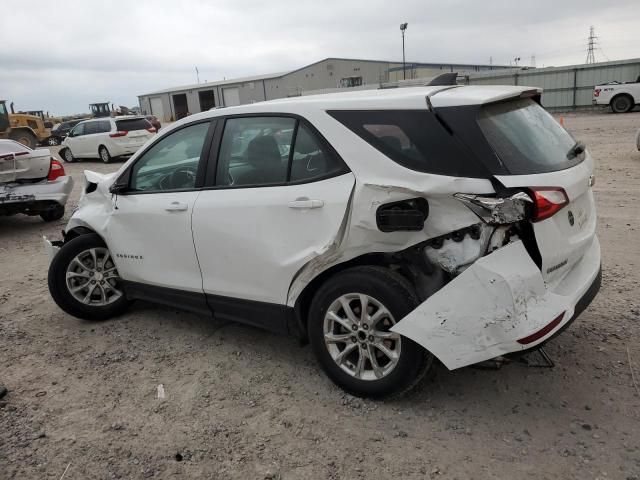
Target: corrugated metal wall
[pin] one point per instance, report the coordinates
(564, 87)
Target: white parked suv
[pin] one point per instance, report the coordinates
(106, 138)
(388, 228)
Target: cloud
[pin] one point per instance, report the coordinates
(83, 51)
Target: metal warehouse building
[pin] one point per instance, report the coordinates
(330, 73)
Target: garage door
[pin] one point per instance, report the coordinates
(156, 108)
(231, 97)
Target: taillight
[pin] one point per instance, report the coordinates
(119, 133)
(55, 170)
(596, 92)
(547, 201)
(151, 129)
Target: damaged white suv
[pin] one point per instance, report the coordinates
(388, 228)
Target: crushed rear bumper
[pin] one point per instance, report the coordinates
(34, 197)
(500, 305)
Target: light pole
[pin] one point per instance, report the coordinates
(403, 27)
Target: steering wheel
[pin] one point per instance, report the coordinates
(183, 178)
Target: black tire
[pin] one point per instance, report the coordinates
(53, 141)
(67, 155)
(104, 154)
(53, 214)
(58, 284)
(397, 295)
(25, 137)
(621, 104)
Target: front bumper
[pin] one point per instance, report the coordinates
(500, 305)
(25, 196)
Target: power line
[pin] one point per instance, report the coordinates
(591, 58)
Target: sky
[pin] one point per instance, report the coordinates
(60, 56)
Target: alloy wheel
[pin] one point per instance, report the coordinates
(357, 336)
(92, 278)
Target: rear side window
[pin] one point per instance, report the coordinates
(526, 138)
(414, 139)
(131, 124)
(91, 128)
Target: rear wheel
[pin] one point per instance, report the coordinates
(84, 280)
(104, 154)
(25, 137)
(53, 214)
(622, 104)
(349, 329)
(67, 155)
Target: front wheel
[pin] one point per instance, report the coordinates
(52, 141)
(84, 280)
(349, 329)
(104, 154)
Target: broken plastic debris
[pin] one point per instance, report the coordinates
(161, 392)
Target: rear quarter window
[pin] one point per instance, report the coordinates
(130, 124)
(415, 139)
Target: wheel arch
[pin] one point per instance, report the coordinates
(303, 301)
(78, 231)
(623, 94)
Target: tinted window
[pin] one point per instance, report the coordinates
(91, 128)
(413, 138)
(132, 124)
(103, 126)
(255, 151)
(171, 163)
(526, 138)
(310, 159)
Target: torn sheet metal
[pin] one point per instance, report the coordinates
(497, 210)
(484, 311)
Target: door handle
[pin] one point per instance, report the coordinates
(305, 203)
(177, 207)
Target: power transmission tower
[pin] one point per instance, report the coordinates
(591, 57)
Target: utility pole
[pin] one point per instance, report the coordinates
(403, 27)
(591, 57)
(197, 74)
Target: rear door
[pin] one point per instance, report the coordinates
(541, 157)
(277, 196)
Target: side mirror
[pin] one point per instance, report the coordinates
(118, 188)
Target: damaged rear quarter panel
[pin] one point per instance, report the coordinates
(482, 313)
(379, 180)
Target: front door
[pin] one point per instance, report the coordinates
(278, 200)
(150, 231)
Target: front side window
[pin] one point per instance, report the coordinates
(78, 130)
(172, 163)
(270, 151)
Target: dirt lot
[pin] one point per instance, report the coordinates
(242, 403)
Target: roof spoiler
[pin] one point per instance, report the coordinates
(444, 79)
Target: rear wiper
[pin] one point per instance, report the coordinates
(576, 150)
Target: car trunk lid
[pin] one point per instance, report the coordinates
(24, 165)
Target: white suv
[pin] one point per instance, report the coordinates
(106, 138)
(388, 228)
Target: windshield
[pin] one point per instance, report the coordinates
(527, 138)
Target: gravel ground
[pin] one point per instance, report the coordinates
(242, 403)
